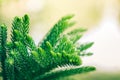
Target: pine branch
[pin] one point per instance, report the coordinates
(52, 60)
(25, 23)
(3, 38)
(20, 29)
(9, 67)
(16, 28)
(76, 34)
(53, 35)
(75, 38)
(64, 71)
(29, 42)
(64, 44)
(85, 53)
(85, 46)
(56, 49)
(76, 31)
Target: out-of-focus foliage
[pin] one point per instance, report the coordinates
(95, 76)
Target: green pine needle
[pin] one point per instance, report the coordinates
(85, 46)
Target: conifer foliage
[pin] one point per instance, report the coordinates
(57, 55)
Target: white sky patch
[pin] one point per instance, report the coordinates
(35, 5)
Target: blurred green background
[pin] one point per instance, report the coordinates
(100, 17)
